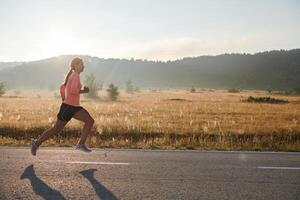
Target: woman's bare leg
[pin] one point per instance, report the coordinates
(84, 116)
(59, 125)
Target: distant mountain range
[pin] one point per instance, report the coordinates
(274, 70)
(4, 65)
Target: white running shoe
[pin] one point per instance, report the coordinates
(33, 146)
(83, 148)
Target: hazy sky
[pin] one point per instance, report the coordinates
(151, 29)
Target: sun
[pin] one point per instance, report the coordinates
(58, 42)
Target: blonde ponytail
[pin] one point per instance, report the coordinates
(67, 77)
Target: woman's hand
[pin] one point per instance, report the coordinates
(86, 89)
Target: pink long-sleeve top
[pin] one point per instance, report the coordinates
(71, 92)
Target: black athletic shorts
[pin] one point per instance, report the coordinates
(67, 111)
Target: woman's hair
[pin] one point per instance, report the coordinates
(74, 63)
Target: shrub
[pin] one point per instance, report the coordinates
(113, 92)
(233, 90)
(56, 95)
(265, 100)
(2, 89)
(17, 92)
(193, 90)
(297, 91)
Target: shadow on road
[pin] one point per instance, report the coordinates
(46, 192)
(101, 191)
(39, 186)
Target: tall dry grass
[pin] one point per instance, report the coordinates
(166, 119)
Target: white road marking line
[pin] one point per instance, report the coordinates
(297, 168)
(97, 163)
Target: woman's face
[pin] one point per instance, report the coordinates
(79, 68)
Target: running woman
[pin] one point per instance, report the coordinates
(70, 92)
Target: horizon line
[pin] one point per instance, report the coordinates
(151, 60)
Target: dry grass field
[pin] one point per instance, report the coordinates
(169, 119)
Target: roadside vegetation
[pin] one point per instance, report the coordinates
(172, 119)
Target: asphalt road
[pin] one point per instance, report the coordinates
(64, 173)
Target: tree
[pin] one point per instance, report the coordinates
(94, 86)
(193, 90)
(129, 86)
(2, 89)
(113, 92)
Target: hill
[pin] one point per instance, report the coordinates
(276, 70)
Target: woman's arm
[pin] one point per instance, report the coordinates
(62, 91)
